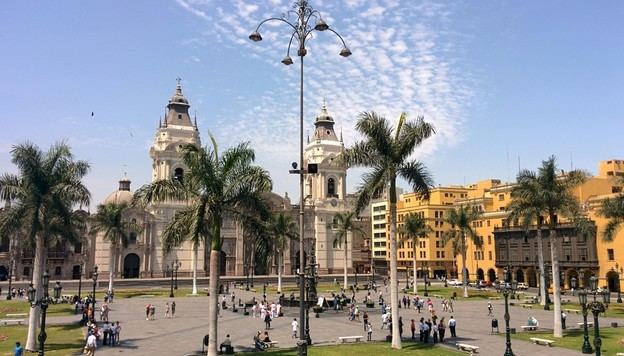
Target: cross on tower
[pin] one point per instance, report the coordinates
(178, 79)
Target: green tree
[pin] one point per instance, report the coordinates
(214, 185)
(281, 229)
(461, 219)
(552, 196)
(527, 207)
(387, 151)
(109, 220)
(612, 209)
(414, 227)
(43, 193)
(343, 225)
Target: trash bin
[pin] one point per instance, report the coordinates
(494, 325)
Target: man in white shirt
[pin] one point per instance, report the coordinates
(452, 323)
(384, 320)
(294, 325)
(91, 345)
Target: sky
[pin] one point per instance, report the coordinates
(505, 83)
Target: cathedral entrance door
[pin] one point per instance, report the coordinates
(131, 266)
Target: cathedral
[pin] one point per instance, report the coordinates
(325, 194)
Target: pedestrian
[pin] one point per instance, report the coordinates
(19, 350)
(365, 317)
(173, 305)
(369, 332)
(90, 346)
(401, 327)
(429, 329)
(489, 307)
(384, 320)
(426, 330)
(147, 311)
(294, 324)
(166, 310)
(450, 305)
(117, 332)
(452, 324)
(413, 329)
(419, 305)
(267, 321)
(152, 311)
(106, 331)
(113, 334)
(441, 330)
(421, 329)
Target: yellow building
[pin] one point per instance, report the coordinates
(379, 211)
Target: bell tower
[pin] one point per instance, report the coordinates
(325, 191)
(173, 133)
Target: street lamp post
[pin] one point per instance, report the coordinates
(303, 13)
(596, 306)
(619, 270)
(79, 281)
(170, 270)
(95, 277)
(509, 287)
(426, 294)
(43, 303)
(176, 267)
(586, 349)
(246, 277)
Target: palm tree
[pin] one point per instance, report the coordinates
(526, 205)
(387, 151)
(109, 220)
(281, 228)
(342, 225)
(612, 209)
(461, 219)
(43, 193)
(414, 227)
(554, 198)
(214, 186)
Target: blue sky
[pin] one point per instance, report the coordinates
(502, 81)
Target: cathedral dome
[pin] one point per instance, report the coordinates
(122, 195)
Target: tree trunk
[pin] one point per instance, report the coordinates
(464, 274)
(280, 258)
(33, 318)
(194, 267)
(557, 331)
(540, 262)
(345, 261)
(111, 267)
(415, 284)
(213, 300)
(394, 280)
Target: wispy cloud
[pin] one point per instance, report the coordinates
(404, 59)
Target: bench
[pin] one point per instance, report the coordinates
(494, 298)
(589, 324)
(538, 341)
(620, 354)
(466, 347)
(343, 339)
(17, 315)
(526, 305)
(529, 327)
(575, 311)
(272, 343)
(6, 322)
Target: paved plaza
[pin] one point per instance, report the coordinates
(183, 334)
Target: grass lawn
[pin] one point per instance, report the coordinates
(447, 292)
(17, 306)
(612, 338)
(62, 340)
(366, 349)
(615, 310)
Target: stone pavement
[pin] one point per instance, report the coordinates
(183, 335)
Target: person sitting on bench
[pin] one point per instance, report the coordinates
(258, 343)
(226, 344)
(265, 337)
(532, 322)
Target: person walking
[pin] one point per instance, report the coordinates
(167, 310)
(369, 332)
(267, 321)
(173, 305)
(489, 307)
(452, 324)
(19, 350)
(90, 346)
(413, 329)
(294, 324)
(365, 317)
(441, 330)
(401, 327)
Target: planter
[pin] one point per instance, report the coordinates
(317, 309)
(370, 305)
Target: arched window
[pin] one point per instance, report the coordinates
(132, 238)
(331, 187)
(178, 174)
